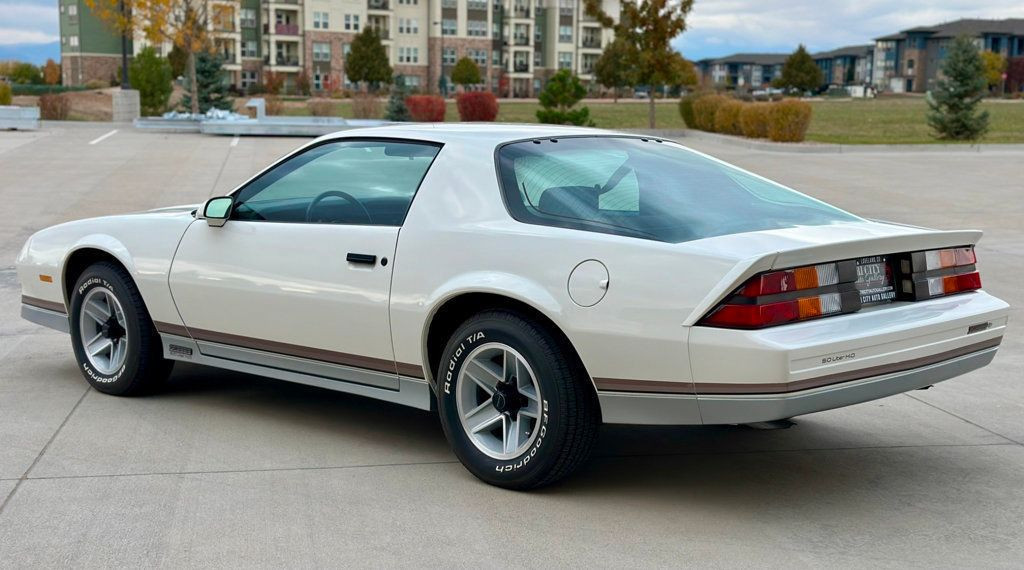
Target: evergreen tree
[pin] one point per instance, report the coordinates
(151, 75)
(559, 97)
(367, 60)
(800, 73)
(954, 101)
(397, 110)
(210, 85)
(466, 73)
(616, 68)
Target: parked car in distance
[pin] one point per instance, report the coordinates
(527, 282)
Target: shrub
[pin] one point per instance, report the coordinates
(272, 82)
(5, 93)
(754, 120)
(477, 106)
(302, 83)
(704, 109)
(727, 118)
(54, 107)
(365, 106)
(426, 108)
(274, 105)
(466, 72)
(559, 98)
(321, 107)
(686, 110)
(788, 120)
(151, 75)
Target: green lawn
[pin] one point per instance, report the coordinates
(878, 121)
(902, 121)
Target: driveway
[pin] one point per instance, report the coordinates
(224, 469)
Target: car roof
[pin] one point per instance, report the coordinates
(487, 135)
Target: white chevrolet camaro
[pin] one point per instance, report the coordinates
(528, 282)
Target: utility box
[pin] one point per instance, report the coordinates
(126, 105)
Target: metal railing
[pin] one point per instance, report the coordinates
(521, 67)
(286, 29)
(378, 4)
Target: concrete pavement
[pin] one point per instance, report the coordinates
(224, 469)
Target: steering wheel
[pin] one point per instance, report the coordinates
(337, 194)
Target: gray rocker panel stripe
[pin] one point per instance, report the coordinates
(44, 304)
(333, 357)
(709, 388)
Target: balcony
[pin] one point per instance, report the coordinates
(521, 41)
(286, 29)
(449, 4)
(565, 11)
(282, 60)
(521, 67)
(521, 12)
(590, 42)
(477, 5)
(383, 33)
(378, 4)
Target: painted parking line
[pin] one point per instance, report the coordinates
(234, 141)
(100, 139)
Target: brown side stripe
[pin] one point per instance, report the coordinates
(171, 328)
(708, 388)
(44, 304)
(647, 386)
(343, 358)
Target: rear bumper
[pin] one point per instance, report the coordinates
(677, 409)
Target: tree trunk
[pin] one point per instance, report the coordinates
(192, 84)
(615, 94)
(650, 107)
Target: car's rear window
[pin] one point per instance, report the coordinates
(646, 188)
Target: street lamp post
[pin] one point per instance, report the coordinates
(125, 80)
(442, 85)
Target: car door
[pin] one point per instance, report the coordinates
(299, 276)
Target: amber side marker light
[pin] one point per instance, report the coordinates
(46, 278)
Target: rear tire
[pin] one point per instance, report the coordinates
(117, 347)
(515, 404)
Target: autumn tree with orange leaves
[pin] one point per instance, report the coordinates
(650, 26)
(183, 23)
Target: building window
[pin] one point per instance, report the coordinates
(448, 27)
(321, 51)
(536, 59)
(476, 28)
(910, 64)
(449, 4)
(496, 30)
(496, 57)
(565, 33)
(352, 22)
(565, 7)
(479, 56)
(318, 81)
(249, 49)
(409, 2)
(412, 81)
(565, 60)
(248, 18)
(448, 56)
(248, 79)
(73, 10)
(408, 26)
(320, 20)
(476, 5)
(73, 41)
(408, 54)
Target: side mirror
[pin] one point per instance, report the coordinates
(216, 211)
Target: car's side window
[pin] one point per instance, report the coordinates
(366, 182)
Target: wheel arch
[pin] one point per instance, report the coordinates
(454, 310)
(80, 258)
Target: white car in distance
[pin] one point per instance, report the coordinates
(528, 282)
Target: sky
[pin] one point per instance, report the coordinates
(29, 30)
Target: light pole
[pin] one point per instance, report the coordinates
(442, 85)
(125, 80)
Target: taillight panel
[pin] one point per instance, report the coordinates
(790, 295)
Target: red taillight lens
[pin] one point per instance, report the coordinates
(797, 279)
(753, 316)
(940, 272)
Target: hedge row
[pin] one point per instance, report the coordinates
(783, 121)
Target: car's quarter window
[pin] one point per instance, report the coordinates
(367, 182)
(645, 188)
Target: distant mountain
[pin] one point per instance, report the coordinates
(32, 53)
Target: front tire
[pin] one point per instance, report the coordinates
(515, 404)
(117, 347)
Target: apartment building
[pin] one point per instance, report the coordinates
(742, 71)
(517, 44)
(850, 65)
(909, 61)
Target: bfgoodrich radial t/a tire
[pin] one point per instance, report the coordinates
(515, 405)
(116, 345)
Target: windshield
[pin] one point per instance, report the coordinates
(646, 188)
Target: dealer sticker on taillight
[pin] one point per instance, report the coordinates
(874, 280)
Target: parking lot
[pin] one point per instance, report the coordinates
(224, 469)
